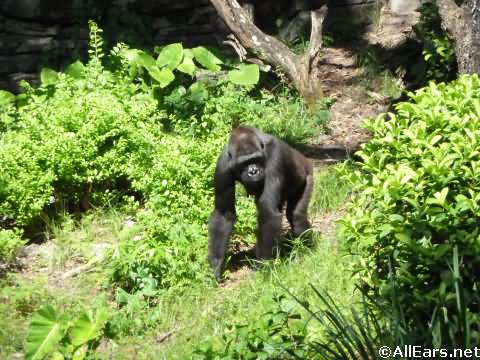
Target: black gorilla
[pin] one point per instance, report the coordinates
(274, 173)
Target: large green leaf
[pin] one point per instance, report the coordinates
(245, 75)
(48, 77)
(206, 58)
(164, 76)
(132, 56)
(187, 66)
(46, 330)
(147, 61)
(6, 97)
(188, 53)
(171, 56)
(87, 328)
(75, 70)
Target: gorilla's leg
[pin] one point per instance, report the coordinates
(269, 224)
(220, 228)
(297, 208)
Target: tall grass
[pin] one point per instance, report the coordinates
(331, 189)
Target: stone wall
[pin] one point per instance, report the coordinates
(37, 33)
(34, 33)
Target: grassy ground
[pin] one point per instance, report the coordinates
(203, 315)
(172, 325)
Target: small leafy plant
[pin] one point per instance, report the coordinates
(280, 334)
(56, 335)
(174, 58)
(10, 243)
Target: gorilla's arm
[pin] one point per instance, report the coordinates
(223, 217)
(269, 204)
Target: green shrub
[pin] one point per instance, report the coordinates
(281, 113)
(417, 205)
(10, 242)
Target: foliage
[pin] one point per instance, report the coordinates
(51, 333)
(135, 315)
(259, 318)
(7, 110)
(174, 57)
(72, 140)
(18, 300)
(438, 51)
(415, 216)
(373, 328)
(357, 332)
(279, 334)
(331, 188)
(10, 243)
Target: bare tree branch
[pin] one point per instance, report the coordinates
(317, 18)
(265, 46)
(235, 44)
(312, 54)
(299, 69)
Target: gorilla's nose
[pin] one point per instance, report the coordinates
(252, 170)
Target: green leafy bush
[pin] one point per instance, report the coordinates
(10, 242)
(280, 113)
(72, 138)
(416, 212)
(169, 242)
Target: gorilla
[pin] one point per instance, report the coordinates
(271, 171)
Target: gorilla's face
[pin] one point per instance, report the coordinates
(251, 172)
(247, 160)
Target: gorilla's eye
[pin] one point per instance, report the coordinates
(229, 156)
(262, 145)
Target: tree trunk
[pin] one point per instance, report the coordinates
(301, 70)
(463, 25)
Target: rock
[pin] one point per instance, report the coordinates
(46, 10)
(13, 80)
(19, 63)
(404, 7)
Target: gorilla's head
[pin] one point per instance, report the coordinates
(246, 153)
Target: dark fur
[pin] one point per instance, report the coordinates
(271, 171)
